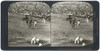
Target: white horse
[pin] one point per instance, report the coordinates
(78, 40)
(35, 40)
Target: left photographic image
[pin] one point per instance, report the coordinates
(28, 24)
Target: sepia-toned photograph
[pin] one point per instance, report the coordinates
(28, 24)
(71, 24)
(37, 24)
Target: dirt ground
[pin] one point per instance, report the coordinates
(20, 35)
(58, 32)
(63, 34)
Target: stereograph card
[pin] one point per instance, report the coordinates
(50, 25)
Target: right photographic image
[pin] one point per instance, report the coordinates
(71, 24)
